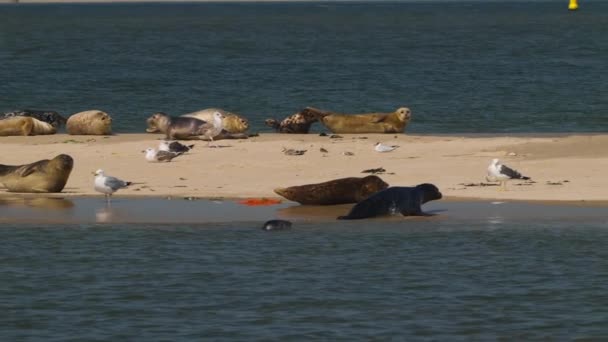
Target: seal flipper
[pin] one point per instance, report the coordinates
(27, 170)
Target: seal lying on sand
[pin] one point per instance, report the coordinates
(25, 125)
(394, 122)
(231, 123)
(182, 127)
(337, 191)
(47, 116)
(299, 122)
(90, 122)
(41, 176)
(397, 199)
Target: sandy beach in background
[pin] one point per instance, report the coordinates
(563, 168)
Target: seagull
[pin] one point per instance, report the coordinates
(293, 152)
(153, 155)
(108, 185)
(380, 147)
(215, 128)
(502, 173)
(174, 146)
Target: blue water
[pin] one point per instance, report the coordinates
(374, 281)
(460, 66)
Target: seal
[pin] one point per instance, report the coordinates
(337, 191)
(178, 127)
(276, 225)
(394, 122)
(25, 125)
(41, 176)
(396, 199)
(90, 122)
(231, 123)
(48, 116)
(299, 122)
(182, 127)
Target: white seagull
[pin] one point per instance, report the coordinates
(153, 155)
(174, 146)
(380, 147)
(502, 173)
(108, 185)
(215, 128)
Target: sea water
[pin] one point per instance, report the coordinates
(461, 67)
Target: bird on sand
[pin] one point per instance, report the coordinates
(108, 185)
(380, 147)
(153, 155)
(214, 128)
(502, 173)
(174, 146)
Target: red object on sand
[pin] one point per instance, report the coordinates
(259, 201)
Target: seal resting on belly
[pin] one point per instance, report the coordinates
(394, 122)
(48, 116)
(25, 125)
(299, 122)
(396, 199)
(90, 122)
(41, 176)
(337, 191)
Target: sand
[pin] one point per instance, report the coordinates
(563, 168)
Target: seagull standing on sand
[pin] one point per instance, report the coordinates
(215, 128)
(108, 185)
(380, 147)
(153, 155)
(174, 147)
(502, 173)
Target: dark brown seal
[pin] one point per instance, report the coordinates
(397, 199)
(89, 122)
(41, 176)
(299, 122)
(337, 191)
(394, 122)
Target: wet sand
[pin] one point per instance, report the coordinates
(562, 167)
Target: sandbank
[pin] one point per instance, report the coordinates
(562, 167)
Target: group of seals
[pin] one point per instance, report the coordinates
(39, 122)
(40, 176)
(192, 125)
(48, 116)
(373, 197)
(300, 122)
(25, 125)
(337, 191)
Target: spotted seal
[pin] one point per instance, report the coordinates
(299, 122)
(40, 176)
(396, 199)
(89, 122)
